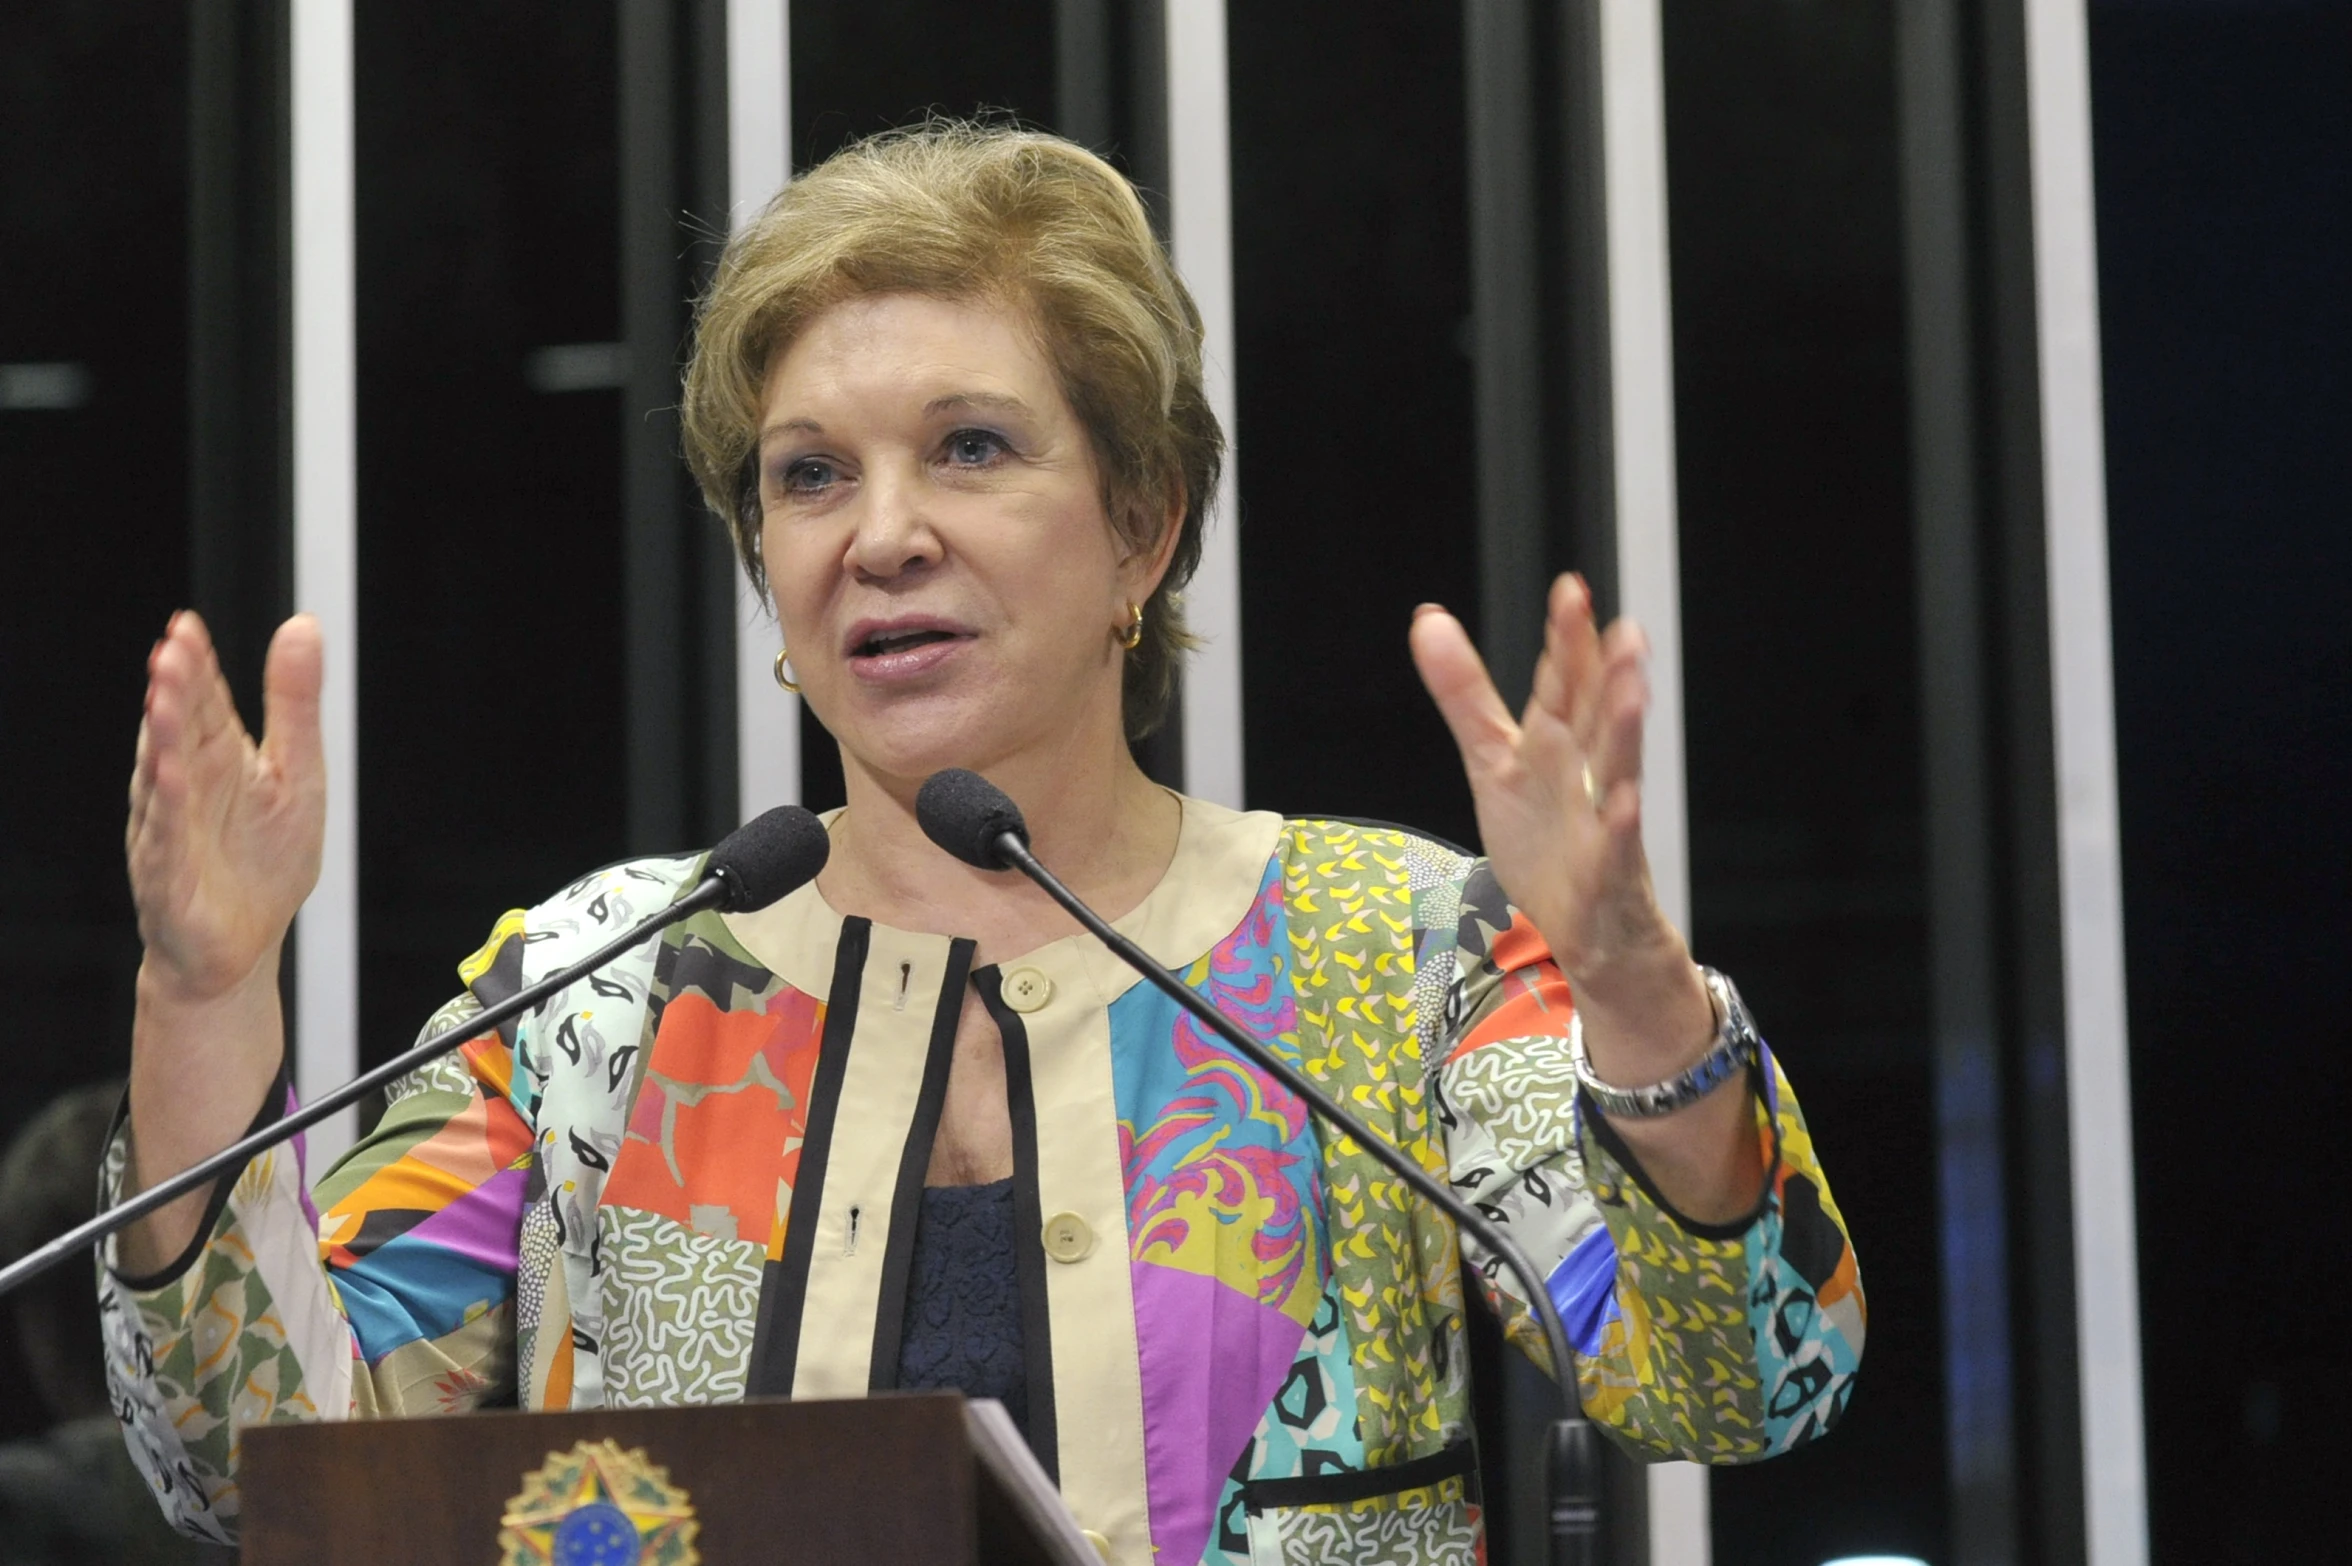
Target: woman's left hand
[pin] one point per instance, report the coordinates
(1559, 791)
(1558, 795)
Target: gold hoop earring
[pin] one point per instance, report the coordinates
(1132, 637)
(783, 679)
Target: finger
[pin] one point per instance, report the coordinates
(172, 738)
(188, 700)
(1554, 674)
(142, 754)
(162, 818)
(142, 779)
(1571, 658)
(1465, 694)
(211, 711)
(1620, 712)
(1619, 709)
(291, 679)
(170, 671)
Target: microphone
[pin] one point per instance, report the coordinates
(766, 858)
(970, 817)
(978, 823)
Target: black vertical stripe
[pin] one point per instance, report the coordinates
(775, 1343)
(906, 1202)
(1028, 1223)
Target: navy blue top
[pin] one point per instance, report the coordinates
(963, 1318)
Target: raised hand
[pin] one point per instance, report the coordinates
(225, 834)
(1558, 791)
(1558, 795)
(223, 844)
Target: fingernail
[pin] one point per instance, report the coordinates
(1421, 609)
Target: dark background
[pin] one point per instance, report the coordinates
(490, 606)
(2224, 167)
(492, 591)
(94, 522)
(1801, 692)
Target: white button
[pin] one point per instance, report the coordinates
(1027, 990)
(1067, 1238)
(1102, 1546)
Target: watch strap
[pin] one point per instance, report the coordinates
(1735, 1047)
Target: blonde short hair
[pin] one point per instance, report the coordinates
(962, 211)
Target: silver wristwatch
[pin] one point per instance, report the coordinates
(1736, 1046)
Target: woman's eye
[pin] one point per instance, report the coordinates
(974, 448)
(807, 475)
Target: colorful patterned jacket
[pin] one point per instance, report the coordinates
(694, 1178)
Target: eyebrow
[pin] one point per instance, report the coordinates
(786, 427)
(1001, 402)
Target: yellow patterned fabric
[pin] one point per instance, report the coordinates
(1394, 1261)
(1429, 1006)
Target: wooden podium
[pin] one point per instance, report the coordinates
(917, 1479)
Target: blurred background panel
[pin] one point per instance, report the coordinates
(94, 510)
(1357, 448)
(858, 69)
(1801, 693)
(492, 365)
(2224, 140)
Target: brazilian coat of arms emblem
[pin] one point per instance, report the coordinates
(597, 1505)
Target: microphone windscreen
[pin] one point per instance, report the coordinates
(965, 814)
(770, 856)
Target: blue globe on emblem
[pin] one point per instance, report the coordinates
(598, 1534)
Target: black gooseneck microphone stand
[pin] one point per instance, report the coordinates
(756, 864)
(977, 822)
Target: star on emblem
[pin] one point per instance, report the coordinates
(597, 1505)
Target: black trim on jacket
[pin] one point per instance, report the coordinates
(906, 1202)
(1459, 1460)
(775, 1343)
(1607, 1135)
(273, 1109)
(1028, 1223)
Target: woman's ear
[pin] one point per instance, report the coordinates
(1143, 569)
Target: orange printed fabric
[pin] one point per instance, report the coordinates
(1532, 999)
(714, 1140)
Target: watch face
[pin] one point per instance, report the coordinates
(1736, 1023)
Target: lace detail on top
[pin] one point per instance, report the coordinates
(963, 1318)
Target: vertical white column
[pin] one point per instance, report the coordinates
(1641, 374)
(2082, 697)
(759, 160)
(1649, 553)
(1200, 198)
(326, 943)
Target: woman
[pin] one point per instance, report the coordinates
(905, 1127)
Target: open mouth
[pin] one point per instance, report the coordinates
(898, 641)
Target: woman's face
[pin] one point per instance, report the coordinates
(933, 529)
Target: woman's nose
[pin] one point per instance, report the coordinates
(894, 532)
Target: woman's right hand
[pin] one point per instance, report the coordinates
(224, 836)
(223, 845)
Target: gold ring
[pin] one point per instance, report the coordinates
(1592, 792)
